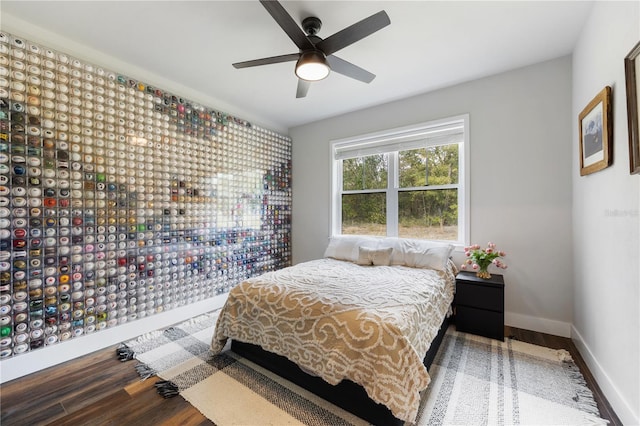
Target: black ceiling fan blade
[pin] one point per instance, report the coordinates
(353, 33)
(287, 23)
(303, 88)
(266, 61)
(350, 70)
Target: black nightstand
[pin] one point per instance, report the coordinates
(480, 305)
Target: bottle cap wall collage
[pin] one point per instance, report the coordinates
(119, 200)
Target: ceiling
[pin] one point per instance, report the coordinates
(429, 45)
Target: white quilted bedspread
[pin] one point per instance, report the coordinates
(335, 319)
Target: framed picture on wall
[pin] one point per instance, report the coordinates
(632, 78)
(596, 134)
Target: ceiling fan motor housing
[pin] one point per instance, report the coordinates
(311, 25)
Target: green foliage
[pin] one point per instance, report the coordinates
(428, 208)
(364, 173)
(364, 208)
(436, 165)
(421, 167)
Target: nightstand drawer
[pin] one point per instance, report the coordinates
(480, 296)
(480, 322)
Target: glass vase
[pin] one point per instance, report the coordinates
(483, 273)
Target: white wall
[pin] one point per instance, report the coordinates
(520, 133)
(606, 218)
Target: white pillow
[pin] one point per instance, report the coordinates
(398, 246)
(345, 247)
(401, 246)
(376, 257)
(430, 258)
(404, 251)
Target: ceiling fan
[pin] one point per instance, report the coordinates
(316, 58)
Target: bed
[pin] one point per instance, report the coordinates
(355, 327)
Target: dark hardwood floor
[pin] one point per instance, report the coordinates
(97, 389)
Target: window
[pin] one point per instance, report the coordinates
(409, 182)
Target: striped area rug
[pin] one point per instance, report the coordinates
(475, 381)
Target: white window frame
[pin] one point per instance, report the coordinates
(430, 133)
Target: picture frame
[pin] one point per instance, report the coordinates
(596, 134)
(632, 80)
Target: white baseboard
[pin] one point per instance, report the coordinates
(619, 404)
(541, 325)
(30, 362)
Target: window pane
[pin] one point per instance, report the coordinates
(429, 215)
(413, 167)
(364, 214)
(368, 172)
(435, 165)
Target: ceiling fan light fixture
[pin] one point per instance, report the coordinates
(312, 66)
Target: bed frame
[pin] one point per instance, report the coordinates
(346, 394)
